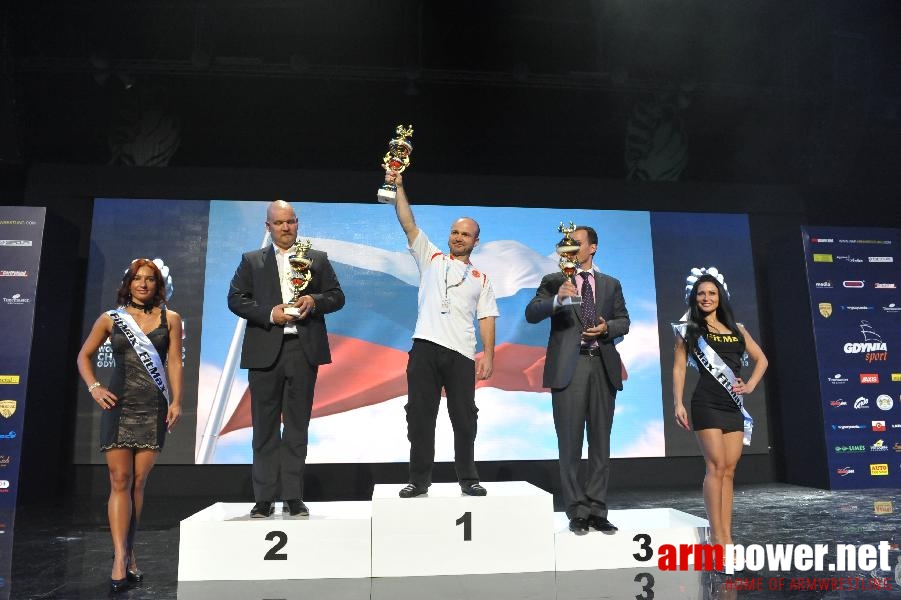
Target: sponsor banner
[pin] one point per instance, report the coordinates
(853, 282)
(21, 230)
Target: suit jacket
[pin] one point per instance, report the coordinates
(255, 289)
(566, 328)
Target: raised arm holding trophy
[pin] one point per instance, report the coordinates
(396, 160)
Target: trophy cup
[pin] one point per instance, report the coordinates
(301, 275)
(567, 249)
(396, 159)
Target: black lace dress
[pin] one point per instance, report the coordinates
(138, 420)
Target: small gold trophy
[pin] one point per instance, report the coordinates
(396, 159)
(301, 275)
(567, 249)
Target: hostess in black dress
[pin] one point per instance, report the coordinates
(711, 405)
(138, 420)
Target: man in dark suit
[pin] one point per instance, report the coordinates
(283, 352)
(584, 371)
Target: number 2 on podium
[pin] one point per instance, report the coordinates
(466, 521)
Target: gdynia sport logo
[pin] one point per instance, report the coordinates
(733, 558)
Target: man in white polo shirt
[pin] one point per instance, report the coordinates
(453, 293)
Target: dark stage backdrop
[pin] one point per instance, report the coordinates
(359, 404)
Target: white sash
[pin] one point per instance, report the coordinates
(147, 354)
(714, 364)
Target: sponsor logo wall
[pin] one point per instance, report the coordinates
(852, 276)
(21, 233)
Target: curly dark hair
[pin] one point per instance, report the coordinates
(697, 325)
(123, 296)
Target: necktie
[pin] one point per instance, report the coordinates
(589, 310)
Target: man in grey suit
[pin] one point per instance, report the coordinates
(584, 371)
(282, 352)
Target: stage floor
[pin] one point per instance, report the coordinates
(62, 551)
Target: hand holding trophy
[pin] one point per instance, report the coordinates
(301, 275)
(569, 263)
(396, 159)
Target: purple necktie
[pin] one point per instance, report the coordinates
(589, 310)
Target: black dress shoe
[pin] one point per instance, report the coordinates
(411, 491)
(602, 524)
(473, 489)
(296, 507)
(578, 525)
(261, 510)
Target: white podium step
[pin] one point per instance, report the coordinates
(222, 542)
(636, 544)
(510, 530)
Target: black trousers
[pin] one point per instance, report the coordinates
(589, 400)
(283, 392)
(430, 368)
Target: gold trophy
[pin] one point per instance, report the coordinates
(301, 275)
(396, 159)
(567, 249)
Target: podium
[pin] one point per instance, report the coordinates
(512, 530)
(446, 533)
(222, 542)
(641, 533)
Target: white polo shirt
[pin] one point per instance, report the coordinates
(452, 295)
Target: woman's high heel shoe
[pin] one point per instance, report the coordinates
(135, 575)
(118, 585)
(132, 573)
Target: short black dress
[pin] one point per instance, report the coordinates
(138, 420)
(711, 405)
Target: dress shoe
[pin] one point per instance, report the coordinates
(411, 491)
(261, 510)
(578, 525)
(473, 489)
(602, 524)
(296, 507)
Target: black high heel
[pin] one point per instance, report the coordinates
(134, 575)
(118, 585)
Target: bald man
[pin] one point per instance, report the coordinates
(453, 294)
(282, 353)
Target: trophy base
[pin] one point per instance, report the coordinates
(293, 311)
(577, 300)
(387, 195)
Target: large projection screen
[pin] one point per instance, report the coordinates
(359, 407)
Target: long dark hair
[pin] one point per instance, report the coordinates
(697, 325)
(123, 296)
